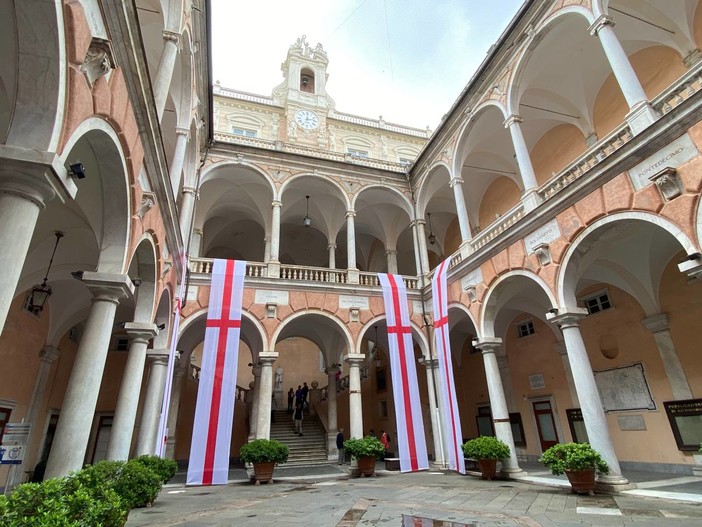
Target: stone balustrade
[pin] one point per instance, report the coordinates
(499, 226)
(194, 374)
(342, 384)
(680, 91)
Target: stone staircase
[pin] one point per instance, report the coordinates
(310, 449)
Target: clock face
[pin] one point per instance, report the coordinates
(306, 119)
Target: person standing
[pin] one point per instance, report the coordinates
(297, 418)
(305, 391)
(385, 440)
(340, 445)
(298, 395)
(291, 398)
(274, 407)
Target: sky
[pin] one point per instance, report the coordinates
(406, 60)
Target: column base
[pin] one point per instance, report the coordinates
(353, 276)
(512, 472)
(531, 200)
(466, 249)
(641, 116)
(613, 484)
(273, 269)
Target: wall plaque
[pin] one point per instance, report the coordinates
(473, 278)
(545, 234)
(624, 388)
(536, 381)
(631, 423)
(417, 307)
(674, 155)
(355, 302)
(282, 298)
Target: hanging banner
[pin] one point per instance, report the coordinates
(216, 395)
(446, 386)
(408, 411)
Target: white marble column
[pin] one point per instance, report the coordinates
(47, 357)
(526, 169)
(658, 325)
(456, 184)
(498, 403)
(590, 402)
(253, 418)
(164, 72)
(355, 401)
(332, 423)
(332, 255)
(422, 243)
(266, 249)
(181, 147)
(391, 255)
(151, 410)
(560, 348)
(187, 208)
(78, 407)
(351, 239)
(506, 376)
(128, 397)
(431, 366)
(195, 250)
(415, 243)
(179, 373)
(641, 113)
(22, 197)
(274, 260)
(263, 426)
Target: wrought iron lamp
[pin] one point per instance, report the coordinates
(307, 221)
(41, 292)
(432, 236)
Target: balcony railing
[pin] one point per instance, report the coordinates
(194, 374)
(313, 274)
(680, 91)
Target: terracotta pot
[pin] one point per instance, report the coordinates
(488, 468)
(263, 472)
(582, 481)
(366, 465)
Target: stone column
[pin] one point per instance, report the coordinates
(195, 249)
(506, 376)
(560, 348)
(422, 243)
(128, 397)
(78, 408)
(266, 249)
(526, 169)
(431, 365)
(47, 357)
(332, 255)
(151, 410)
(22, 197)
(263, 426)
(590, 403)
(274, 261)
(355, 401)
(178, 376)
(253, 418)
(391, 255)
(164, 72)
(352, 269)
(456, 184)
(332, 424)
(181, 146)
(658, 325)
(415, 244)
(498, 403)
(187, 208)
(641, 113)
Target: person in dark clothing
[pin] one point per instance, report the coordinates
(340, 445)
(305, 391)
(291, 399)
(297, 418)
(298, 395)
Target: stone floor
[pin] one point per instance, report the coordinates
(326, 496)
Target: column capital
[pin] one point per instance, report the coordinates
(49, 354)
(388, 252)
(455, 181)
(189, 190)
(350, 213)
(488, 344)
(332, 370)
(331, 246)
(355, 359)
(513, 119)
(417, 222)
(171, 36)
(276, 203)
(267, 358)
(140, 331)
(656, 323)
(600, 22)
(566, 317)
(34, 174)
(182, 132)
(429, 363)
(157, 356)
(110, 287)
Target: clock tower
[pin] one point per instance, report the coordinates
(303, 94)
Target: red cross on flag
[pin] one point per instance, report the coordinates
(216, 395)
(447, 388)
(408, 410)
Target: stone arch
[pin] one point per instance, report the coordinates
(143, 264)
(402, 198)
(104, 195)
(424, 193)
(210, 172)
(342, 192)
(418, 335)
(163, 316)
(500, 292)
(567, 278)
(466, 129)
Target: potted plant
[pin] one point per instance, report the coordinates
(365, 450)
(264, 454)
(487, 450)
(579, 461)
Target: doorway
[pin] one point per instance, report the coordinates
(545, 424)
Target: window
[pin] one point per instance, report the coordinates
(685, 419)
(577, 425)
(122, 345)
(4, 418)
(524, 329)
(598, 302)
(515, 421)
(244, 132)
(380, 380)
(484, 421)
(357, 153)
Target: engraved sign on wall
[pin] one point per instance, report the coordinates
(473, 278)
(624, 388)
(544, 234)
(673, 155)
(280, 298)
(536, 381)
(356, 302)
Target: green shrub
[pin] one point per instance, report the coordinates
(264, 451)
(368, 446)
(165, 468)
(573, 456)
(485, 447)
(137, 485)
